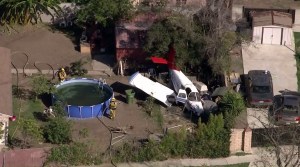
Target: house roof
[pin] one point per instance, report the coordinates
(5, 82)
(270, 4)
(131, 34)
(271, 18)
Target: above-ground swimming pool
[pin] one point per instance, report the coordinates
(84, 98)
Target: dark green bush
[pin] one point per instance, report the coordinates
(73, 154)
(58, 131)
(58, 109)
(211, 140)
(76, 68)
(231, 106)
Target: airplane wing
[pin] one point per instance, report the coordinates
(154, 89)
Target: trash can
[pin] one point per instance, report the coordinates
(129, 96)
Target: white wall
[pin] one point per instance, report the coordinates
(237, 12)
(286, 38)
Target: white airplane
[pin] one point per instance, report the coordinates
(187, 93)
(154, 89)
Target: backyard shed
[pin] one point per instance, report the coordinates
(272, 27)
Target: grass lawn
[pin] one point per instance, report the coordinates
(234, 165)
(297, 47)
(28, 110)
(297, 41)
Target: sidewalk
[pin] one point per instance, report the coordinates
(29, 72)
(190, 162)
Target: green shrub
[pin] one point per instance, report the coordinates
(149, 105)
(297, 56)
(125, 153)
(58, 109)
(212, 138)
(30, 131)
(40, 85)
(73, 154)
(76, 68)
(231, 105)
(58, 131)
(153, 110)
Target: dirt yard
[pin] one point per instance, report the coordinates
(42, 45)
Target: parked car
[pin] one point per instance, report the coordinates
(285, 109)
(259, 88)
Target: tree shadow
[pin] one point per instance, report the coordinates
(121, 98)
(72, 32)
(40, 116)
(106, 59)
(46, 99)
(120, 88)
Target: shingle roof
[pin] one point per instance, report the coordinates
(131, 34)
(271, 18)
(271, 4)
(5, 82)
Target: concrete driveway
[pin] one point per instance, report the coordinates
(279, 60)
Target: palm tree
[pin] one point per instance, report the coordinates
(26, 11)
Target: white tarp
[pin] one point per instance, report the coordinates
(154, 89)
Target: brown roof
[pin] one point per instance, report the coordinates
(5, 82)
(132, 34)
(271, 18)
(271, 4)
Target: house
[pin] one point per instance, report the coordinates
(241, 9)
(5, 93)
(272, 27)
(130, 38)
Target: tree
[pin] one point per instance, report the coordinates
(214, 22)
(26, 11)
(278, 145)
(103, 11)
(180, 31)
(202, 40)
(58, 131)
(31, 131)
(40, 84)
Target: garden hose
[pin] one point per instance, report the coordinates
(20, 106)
(35, 65)
(110, 142)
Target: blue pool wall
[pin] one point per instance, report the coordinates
(84, 112)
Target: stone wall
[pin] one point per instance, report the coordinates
(240, 140)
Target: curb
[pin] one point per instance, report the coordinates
(29, 72)
(190, 162)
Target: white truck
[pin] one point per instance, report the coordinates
(187, 93)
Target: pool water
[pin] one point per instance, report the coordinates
(82, 94)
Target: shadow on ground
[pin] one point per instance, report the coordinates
(106, 59)
(120, 88)
(46, 99)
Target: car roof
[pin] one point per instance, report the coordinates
(260, 77)
(291, 100)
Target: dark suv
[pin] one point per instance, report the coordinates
(285, 108)
(259, 88)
